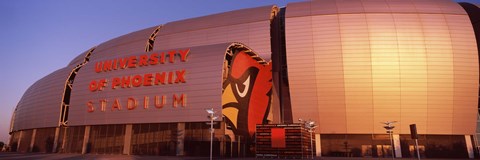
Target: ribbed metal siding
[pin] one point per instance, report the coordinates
(353, 64)
(40, 104)
(78, 59)
(249, 26)
(203, 88)
(125, 45)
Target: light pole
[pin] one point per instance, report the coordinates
(212, 117)
(389, 127)
(310, 126)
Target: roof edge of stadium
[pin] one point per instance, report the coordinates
(246, 49)
(168, 30)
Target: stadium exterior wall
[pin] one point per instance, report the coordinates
(346, 65)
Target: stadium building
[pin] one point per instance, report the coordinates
(347, 65)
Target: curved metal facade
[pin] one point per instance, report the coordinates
(250, 26)
(348, 65)
(40, 104)
(353, 64)
(202, 72)
(125, 45)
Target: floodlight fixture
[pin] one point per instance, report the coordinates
(310, 127)
(210, 111)
(389, 127)
(211, 116)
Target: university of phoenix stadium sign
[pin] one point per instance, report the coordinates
(126, 82)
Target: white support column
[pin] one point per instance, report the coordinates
(86, 137)
(128, 139)
(55, 140)
(318, 145)
(19, 140)
(64, 140)
(32, 140)
(222, 146)
(468, 141)
(398, 148)
(476, 146)
(180, 139)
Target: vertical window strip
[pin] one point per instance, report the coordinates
(151, 39)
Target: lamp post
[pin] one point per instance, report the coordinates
(310, 126)
(389, 127)
(212, 117)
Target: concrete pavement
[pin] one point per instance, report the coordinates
(65, 156)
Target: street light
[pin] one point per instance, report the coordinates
(212, 117)
(389, 127)
(310, 126)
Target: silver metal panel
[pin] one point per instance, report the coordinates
(203, 88)
(134, 42)
(256, 35)
(222, 19)
(249, 26)
(299, 9)
(414, 61)
(375, 6)
(40, 104)
(78, 59)
(322, 7)
(348, 7)
(401, 6)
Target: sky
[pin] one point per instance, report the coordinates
(39, 37)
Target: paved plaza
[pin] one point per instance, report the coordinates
(45, 156)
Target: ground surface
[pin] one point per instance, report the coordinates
(43, 156)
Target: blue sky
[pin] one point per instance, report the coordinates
(39, 37)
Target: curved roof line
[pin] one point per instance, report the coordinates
(274, 12)
(221, 19)
(237, 45)
(151, 40)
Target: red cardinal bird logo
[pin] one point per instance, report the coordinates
(246, 94)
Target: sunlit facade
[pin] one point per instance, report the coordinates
(347, 65)
(370, 62)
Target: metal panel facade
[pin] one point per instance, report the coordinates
(125, 45)
(353, 64)
(40, 104)
(249, 26)
(78, 59)
(202, 88)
